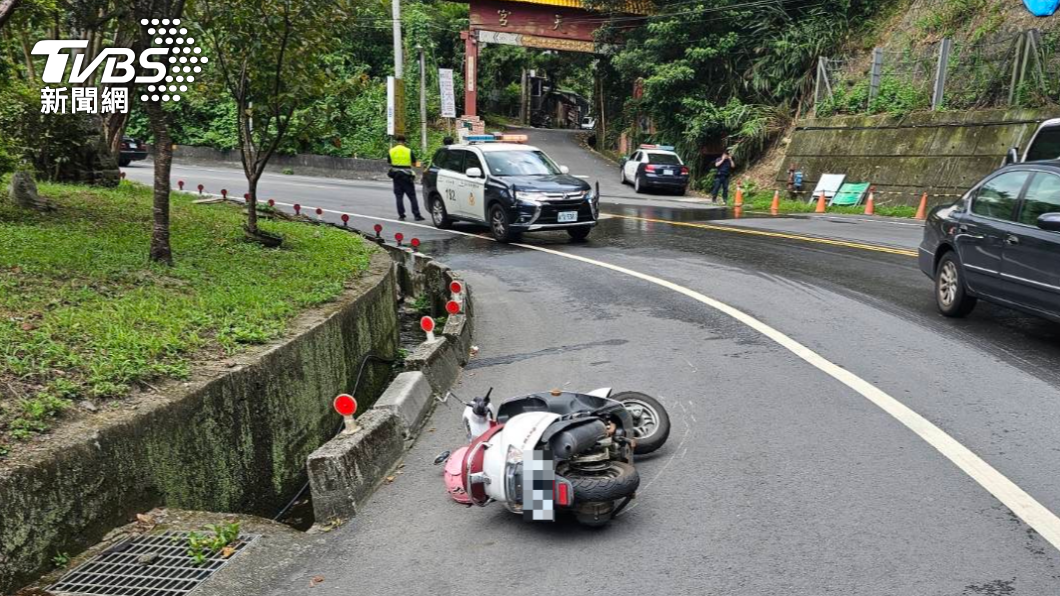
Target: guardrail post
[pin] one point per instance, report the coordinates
(877, 74)
(940, 73)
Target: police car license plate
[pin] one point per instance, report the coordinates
(668, 172)
(567, 216)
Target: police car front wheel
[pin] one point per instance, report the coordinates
(500, 226)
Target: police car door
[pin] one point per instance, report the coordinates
(472, 197)
(449, 177)
(631, 166)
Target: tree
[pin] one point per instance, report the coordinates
(269, 55)
(7, 8)
(160, 251)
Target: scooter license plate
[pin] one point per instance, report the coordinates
(567, 216)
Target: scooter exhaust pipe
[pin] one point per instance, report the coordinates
(576, 439)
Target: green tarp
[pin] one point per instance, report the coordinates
(850, 193)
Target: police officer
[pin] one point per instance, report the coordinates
(401, 160)
(723, 169)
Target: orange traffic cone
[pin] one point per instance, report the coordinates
(775, 207)
(739, 196)
(870, 205)
(737, 212)
(921, 211)
(820, 203)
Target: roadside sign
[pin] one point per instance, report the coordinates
(850, 193)
(445, 83)
(829, 185)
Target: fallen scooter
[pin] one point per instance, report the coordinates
(545, 453)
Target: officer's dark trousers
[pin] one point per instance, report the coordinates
(721, 183)
(403, 185)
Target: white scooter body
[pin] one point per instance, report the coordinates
(523, 432)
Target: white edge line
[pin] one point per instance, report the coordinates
(1033, 513)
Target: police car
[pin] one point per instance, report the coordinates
(499, 181)
(655, 166)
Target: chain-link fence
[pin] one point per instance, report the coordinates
(1015, 69)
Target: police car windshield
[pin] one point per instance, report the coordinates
(520, 163)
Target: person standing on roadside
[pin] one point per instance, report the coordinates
(723, 169)
(401, 160)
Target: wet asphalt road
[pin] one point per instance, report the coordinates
(777, 479)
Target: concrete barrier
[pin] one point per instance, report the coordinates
(437, 360)
(458, 330)
(410, 398)
(345, 470)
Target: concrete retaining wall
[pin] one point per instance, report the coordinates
(326, 166)
(235, 440)
(940, 153)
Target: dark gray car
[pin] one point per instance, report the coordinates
(1000, 242)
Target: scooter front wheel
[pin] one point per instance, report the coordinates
(651, 422)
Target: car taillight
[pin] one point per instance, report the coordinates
(684, 171)
(649, 168)
(562, 492)
(124, 145)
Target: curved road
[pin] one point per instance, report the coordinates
(782, 475)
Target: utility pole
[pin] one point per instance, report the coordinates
(399, 72)
(423, 102)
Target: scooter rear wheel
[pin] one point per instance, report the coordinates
(651, 422)
(619, 480)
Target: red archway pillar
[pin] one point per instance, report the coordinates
(470, 72)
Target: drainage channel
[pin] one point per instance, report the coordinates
(150, 565)
(299, 512)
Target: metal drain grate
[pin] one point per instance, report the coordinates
(156, 565)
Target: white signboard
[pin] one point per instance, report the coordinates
(445, 81)
(828, 184)
(390, 106)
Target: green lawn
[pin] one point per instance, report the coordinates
(83, 314)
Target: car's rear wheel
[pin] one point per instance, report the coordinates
(951, 295)
(580, 233)
(439, 216)
(637, 185)
(124, 161)
(500, 226)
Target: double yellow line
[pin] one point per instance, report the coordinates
(755, 232)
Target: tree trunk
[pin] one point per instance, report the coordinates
(160, 249)
(7, 7)
(252, 206)
(31, 72)
(114, 128)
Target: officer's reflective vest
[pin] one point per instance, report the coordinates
(401, 156)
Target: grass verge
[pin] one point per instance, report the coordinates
(83, 315)
(763, 201)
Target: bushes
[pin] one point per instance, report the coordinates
(61, 147)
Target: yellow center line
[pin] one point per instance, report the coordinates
(754, 232)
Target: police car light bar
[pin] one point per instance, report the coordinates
(659, 147)
(497, 138)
